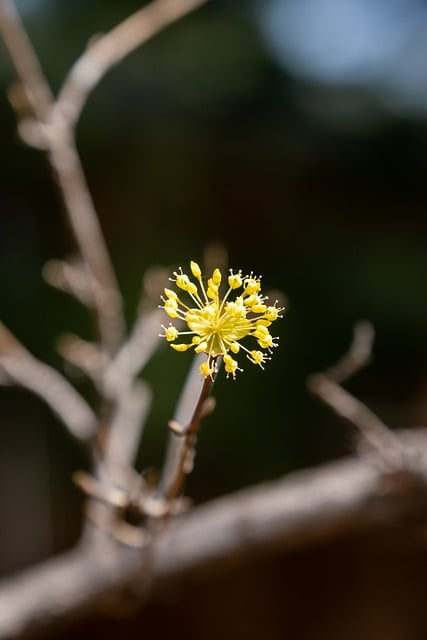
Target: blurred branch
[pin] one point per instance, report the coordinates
(126, 429)
(303, 509)
(49, 124)
(109, 49)
(20, 367)
(327, 386)
(27, 67)
(70, 277)
(134, 353)
(36, 128)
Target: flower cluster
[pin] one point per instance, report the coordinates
(219, 324)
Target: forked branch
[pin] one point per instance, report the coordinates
(21, 368)
(327, 385)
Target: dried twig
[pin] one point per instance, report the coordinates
(19, 366)
(327, 386)
(52, 128)
(127, 425)
(70, 277)
(49, 124)
(34, 84)
(134, 353)
(60, 147)
(109, 49)
(305, 508)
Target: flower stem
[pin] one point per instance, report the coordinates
(181, 452)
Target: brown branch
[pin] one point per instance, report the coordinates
(327, 387)
(305, 508)
(60, 147)
(127, 425)
(109, 49)
(53, 125)
(43, 123)
(87, 231)
(18, 366)
(37, 90)
(192, 407)
(135, 352)
(70, 277)
(358, 356)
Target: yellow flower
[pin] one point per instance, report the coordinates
(217, 325)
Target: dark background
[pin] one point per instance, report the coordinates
(217, 131)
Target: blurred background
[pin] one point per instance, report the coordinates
(293, 133)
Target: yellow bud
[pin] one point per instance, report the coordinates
(266, 342)
(171, 294)
(230, 365)
(205, 369)
(191, 288)
(171, 333)
(182, 281)
(252, 285)
(252, 299)
(235, 280)
(181, 347)
(202, 347)
(217, 277)
(195, 270)
(171, 308)
(258, 308)
(272, 313)
(257, 357)
(261, 332)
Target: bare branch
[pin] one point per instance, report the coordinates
(25, 61)
(109, 49)
(70, 277)
(87, 231)
(135, 353)
(84, 355)
(326, 386)
(20, 367)
(358, 356)
(192, 407)
(53, 126)
(127, 426)
(300, 510)
(60, 145)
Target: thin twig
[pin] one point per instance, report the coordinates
(109, 49)
(65, 162)
(135, 352)
(54, 129)
(327, 387)
(183, 437)
(23, 369)
(358, 356)
(87, 231)
(70, 277)
(25, 61)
